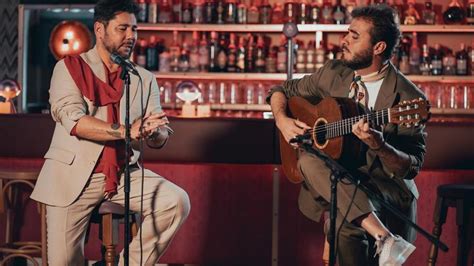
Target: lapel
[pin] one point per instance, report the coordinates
(93, 59)
(387, 93)
(342, 83)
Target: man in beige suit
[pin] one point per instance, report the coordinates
(395, 154)
(84, 163)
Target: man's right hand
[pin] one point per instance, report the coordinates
(151, 123)
(290, 128)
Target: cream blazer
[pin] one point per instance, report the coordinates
(70, 161)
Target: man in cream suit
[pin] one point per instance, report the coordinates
(84, 163)
(394, 155)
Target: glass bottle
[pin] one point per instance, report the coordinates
(222, 54)
(429, 16)
(164, 15)
(183, 62)
(411, 15)
(232, 54)
(277, 14)
(350, 5)
(265, 12)
(152, 54)
(210, 12)
(425, 66)
(213, 51)
(281, 55)
(315, 13)
(203, 54)
(300, 57)
(164, 61)
(260, 55)
(198, 12)
(152, 11)
(470, 13)
(187, 12)
(404, 64)
(270, 61)
(140, 52)
(414, 55)
(250, 56)
(310, 57)
(142, 14)
(220, 11)
(177, 11)
(461, 60)
(338, 13)
(454, 14)
(305, 8)
(437, 61)
(471, 58)
(449, 63)
(253, 16)
(397, 5)
(194, 53)
(291, 11)
(175, 53)
(231, 12)
(326, 12)
(241, 53)
(320, 53)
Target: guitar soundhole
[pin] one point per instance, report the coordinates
(320, 133)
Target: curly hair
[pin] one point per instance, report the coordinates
(106, 10)
(385, 28)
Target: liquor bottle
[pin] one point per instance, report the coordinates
(177, 11)
(291, 11)
(143, 13)
(213, 52)
(326, 13)
(140, 52)
(425, 66)
(350, 5)
(429, 16)
(320, 53)
(231, 12)
(461, 60)
(152, 11)
(220, 11)
(471, 58)
(277, 14)
(232, 56)
(454, 14)
(331, 52)
(152, 54)
(198, 12)
(194, 53)
(449, 63)
(203, 54)
(411, 15)
(305, 8)
(414, 55)
(241, 55)
(300, 57)
(270, 61)
(210, 12)
(183, 62)
(404, 64)
(281, 55)
(250, 56)
(164, 15)
(175, 53)
(242, 13)
(310, 57)
(253, 16)
(437, 61)
(338, 13)
(187, 12)
(164, 61)
(470, 13)
(265, 12)
(260, 55)
(315, 13)
(397, 5)
(222, 54)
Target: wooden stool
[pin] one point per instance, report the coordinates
(109, 215)
(9, 182)
(462, 198)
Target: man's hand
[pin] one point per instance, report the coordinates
(151, 123)
(290, 128)
(373, 138)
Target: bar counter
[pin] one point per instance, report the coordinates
(244, 211)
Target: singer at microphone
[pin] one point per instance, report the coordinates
(125, 63)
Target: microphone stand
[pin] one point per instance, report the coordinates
(125, 76)
(337, 173)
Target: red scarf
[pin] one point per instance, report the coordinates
(101, 94)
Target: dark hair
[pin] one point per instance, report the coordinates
(105, 10)
(385, 28)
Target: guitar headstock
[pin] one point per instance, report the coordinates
(410, 113)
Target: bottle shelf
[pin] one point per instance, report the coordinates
(226, 107)
(282, 76)
(301, 28)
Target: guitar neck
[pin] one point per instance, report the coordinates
(344, 127)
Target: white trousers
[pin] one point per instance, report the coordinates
(165, 207)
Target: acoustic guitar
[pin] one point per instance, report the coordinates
(332, 119)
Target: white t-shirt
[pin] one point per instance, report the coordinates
(373, 89)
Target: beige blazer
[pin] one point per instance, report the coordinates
(70, 161)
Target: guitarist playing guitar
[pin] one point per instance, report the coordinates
(384, 148)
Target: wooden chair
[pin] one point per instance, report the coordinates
(10, 182)
(462, 198)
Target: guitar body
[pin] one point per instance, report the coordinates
(346, 149)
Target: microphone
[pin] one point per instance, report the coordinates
(117, 59)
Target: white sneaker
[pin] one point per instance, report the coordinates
(393, 250)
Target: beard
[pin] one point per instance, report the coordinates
(112, 48)
(360, 60)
